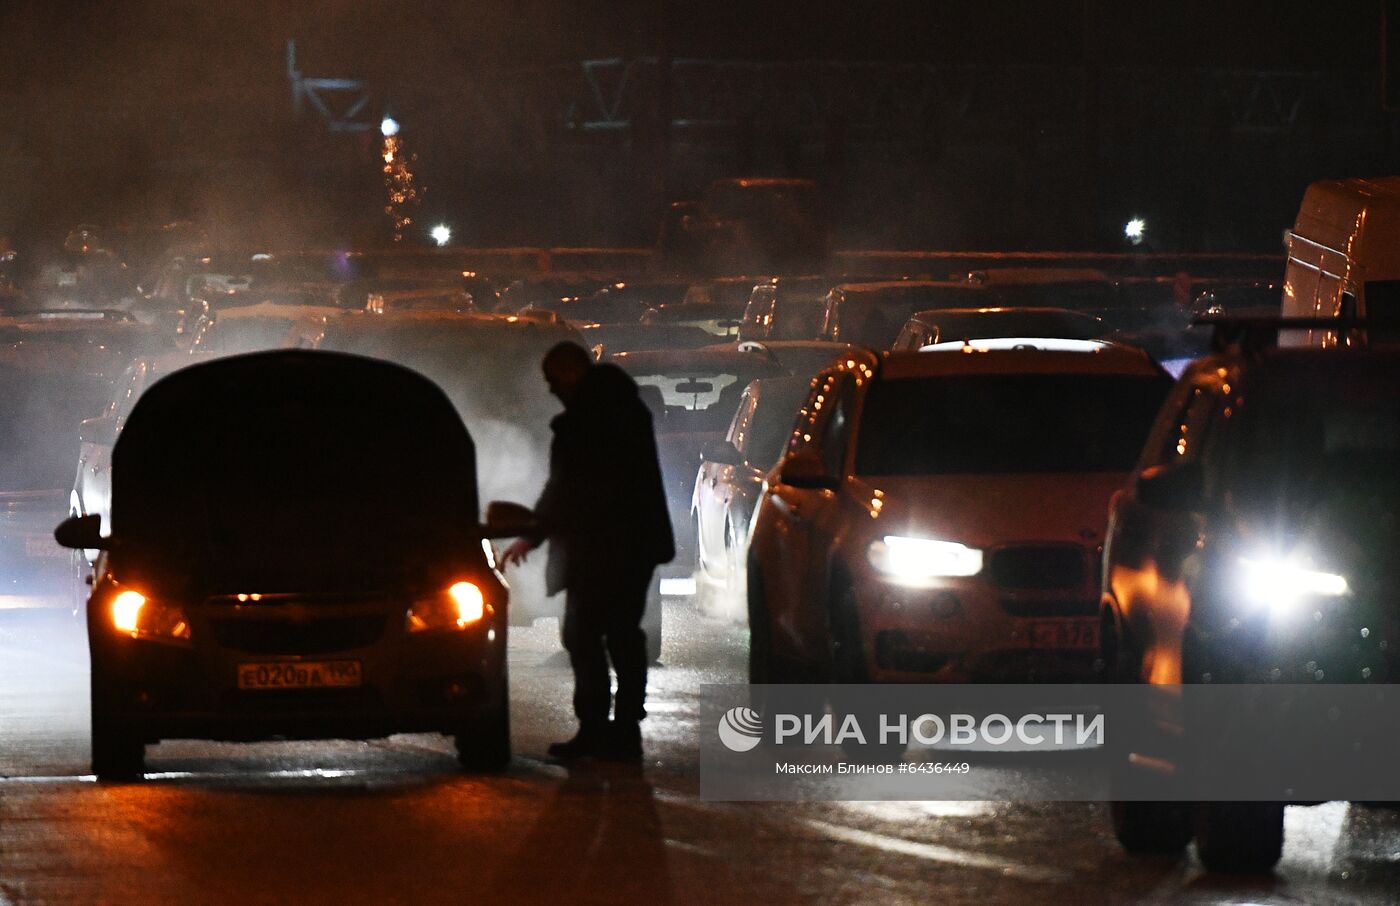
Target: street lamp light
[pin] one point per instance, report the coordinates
(388, 126)
(442, 234)
(1135, 230)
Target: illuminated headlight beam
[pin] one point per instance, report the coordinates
(907, 559)
(1281, 584)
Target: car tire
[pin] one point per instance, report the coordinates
(1239, 837)
(118, 754)
(483, 743)
(1152, 828)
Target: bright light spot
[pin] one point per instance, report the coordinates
(919, 559)
(388, 126)
(679, 588)
(126, 610)
(1134, 230)
(1281, 585)
(1043, 344)
(442, 234)
(471, 606)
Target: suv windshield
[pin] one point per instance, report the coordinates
(1329, 440)
(1007, 424)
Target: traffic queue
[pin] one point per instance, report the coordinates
(1021, 474)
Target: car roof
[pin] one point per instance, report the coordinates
(889, 287)
(1106, 359)
(936, 313)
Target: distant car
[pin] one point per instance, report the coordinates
(379, 293)
(258, 328)
(732, 292)
(55, 371)
(729, 484)
(426, 298)
(645, 293)
(1077, 288)
(926, 328)
(785, 308)
(799, 357)
(693, 395)
(548, 290)
(173, 291)
(871, 314)
(609, 339)
(1255, 543)
(936, 516)
(295, 553)
(719, 319)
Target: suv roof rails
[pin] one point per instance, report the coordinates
(1252, 333)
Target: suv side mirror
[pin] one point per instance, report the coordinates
(1179, 487)
(508, 520)
(805, 469)
(82, 533)
(722, 452)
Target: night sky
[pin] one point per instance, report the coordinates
(64, 42)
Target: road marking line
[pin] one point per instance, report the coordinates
(935, 853)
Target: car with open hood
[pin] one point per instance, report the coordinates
(295, 553)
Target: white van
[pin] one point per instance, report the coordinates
(1344, 260)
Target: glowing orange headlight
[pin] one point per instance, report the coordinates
(126, 611)
(461, 605)
(471, 604)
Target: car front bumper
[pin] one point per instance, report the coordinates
(420, 682)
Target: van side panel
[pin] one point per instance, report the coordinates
(1347, 232)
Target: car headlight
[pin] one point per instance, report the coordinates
(457, 607)
(140, 617)
(1281, 584)
(918, 559)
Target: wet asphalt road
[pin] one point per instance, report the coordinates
(394, 822)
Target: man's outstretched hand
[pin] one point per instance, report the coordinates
(517, 552)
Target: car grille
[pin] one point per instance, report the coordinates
(317, 636)
(1041, 568)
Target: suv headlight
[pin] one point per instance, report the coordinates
(1280, 584)
(140, 617)
(458, 606)
(907, 559)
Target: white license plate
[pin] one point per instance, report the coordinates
(43, 547)
(299, 675)
(1070, 635)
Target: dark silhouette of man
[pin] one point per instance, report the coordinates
(603, 511)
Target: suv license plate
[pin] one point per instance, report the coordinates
(299, 675)
(1067, 635)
